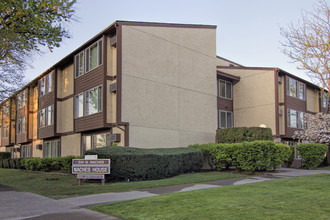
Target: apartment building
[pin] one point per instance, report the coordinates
(265, 97)
(134, 84)
(149, 85)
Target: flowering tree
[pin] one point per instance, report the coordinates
(307, 43)
(317, 131)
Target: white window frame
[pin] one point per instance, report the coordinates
(225, 83)
(26, 151)
(99, 52)
(87, 100)
(50, 112)
(298, 87)
(77, 105)
(42, 111)
(52, 148)
(78, 59)
(323, 101)
(299, 122)
(91, 141)
(226, 114)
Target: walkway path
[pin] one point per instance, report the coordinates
(22, 205)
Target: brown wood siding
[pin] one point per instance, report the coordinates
(225, 104)
(47, 100)
(89, 80)
(296, 104)
(46, 132)
(21, 138)
(89, 122)
(290, 132)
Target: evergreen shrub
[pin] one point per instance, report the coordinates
(313, 154)
(128, 163)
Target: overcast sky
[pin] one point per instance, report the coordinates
(248, 31)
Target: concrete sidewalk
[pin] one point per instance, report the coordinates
(23, 205)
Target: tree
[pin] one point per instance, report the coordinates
(26, 26)
(308, 44)
(317, 130)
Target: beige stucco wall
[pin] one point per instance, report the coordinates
(281, 91)
(254, 98)
(71, 145)
(65, 116)
(312, 100)
(111, 103)
(36, 152)
(169, 85)
(65, 80)
(111, 59)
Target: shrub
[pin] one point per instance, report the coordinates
(5, 155)
(312, 154)
(250, 156)
(241, 134)
(141, 164)
(62, 164)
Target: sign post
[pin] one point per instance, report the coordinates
(91, 168)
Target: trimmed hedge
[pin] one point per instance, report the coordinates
(10, 163)
(5, 155)
(313, 154)
(128, 163)
(241, 134)
(62, 164)
(250, 156)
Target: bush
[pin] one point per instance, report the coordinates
(62, 164)
(128, 163)
(238, 135)
(312, 154)
(5, 155)
(250, 156)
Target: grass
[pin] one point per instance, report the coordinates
(324, 168)
(59, 186)
(295, 198)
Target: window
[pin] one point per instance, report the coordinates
(6, 131)
(295, 89)
(20, 126)
(93, 100)
(42, 118)
(46, 116)
(95, 141)
(42, 87)
(50, 81)
(46, 84)
(19, 101)
(225, 89)
(79, 64)
(26, 151)
(295, 119)
(225, 119)
(323, 101)
(301, 91)
(50, 115)
(79, 105)
(52, 148)
(94, 56)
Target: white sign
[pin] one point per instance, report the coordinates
(90, 157)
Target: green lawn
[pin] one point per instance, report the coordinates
(59, 186)
(324, 168)
(295, 198)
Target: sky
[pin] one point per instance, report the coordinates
(248, 31)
